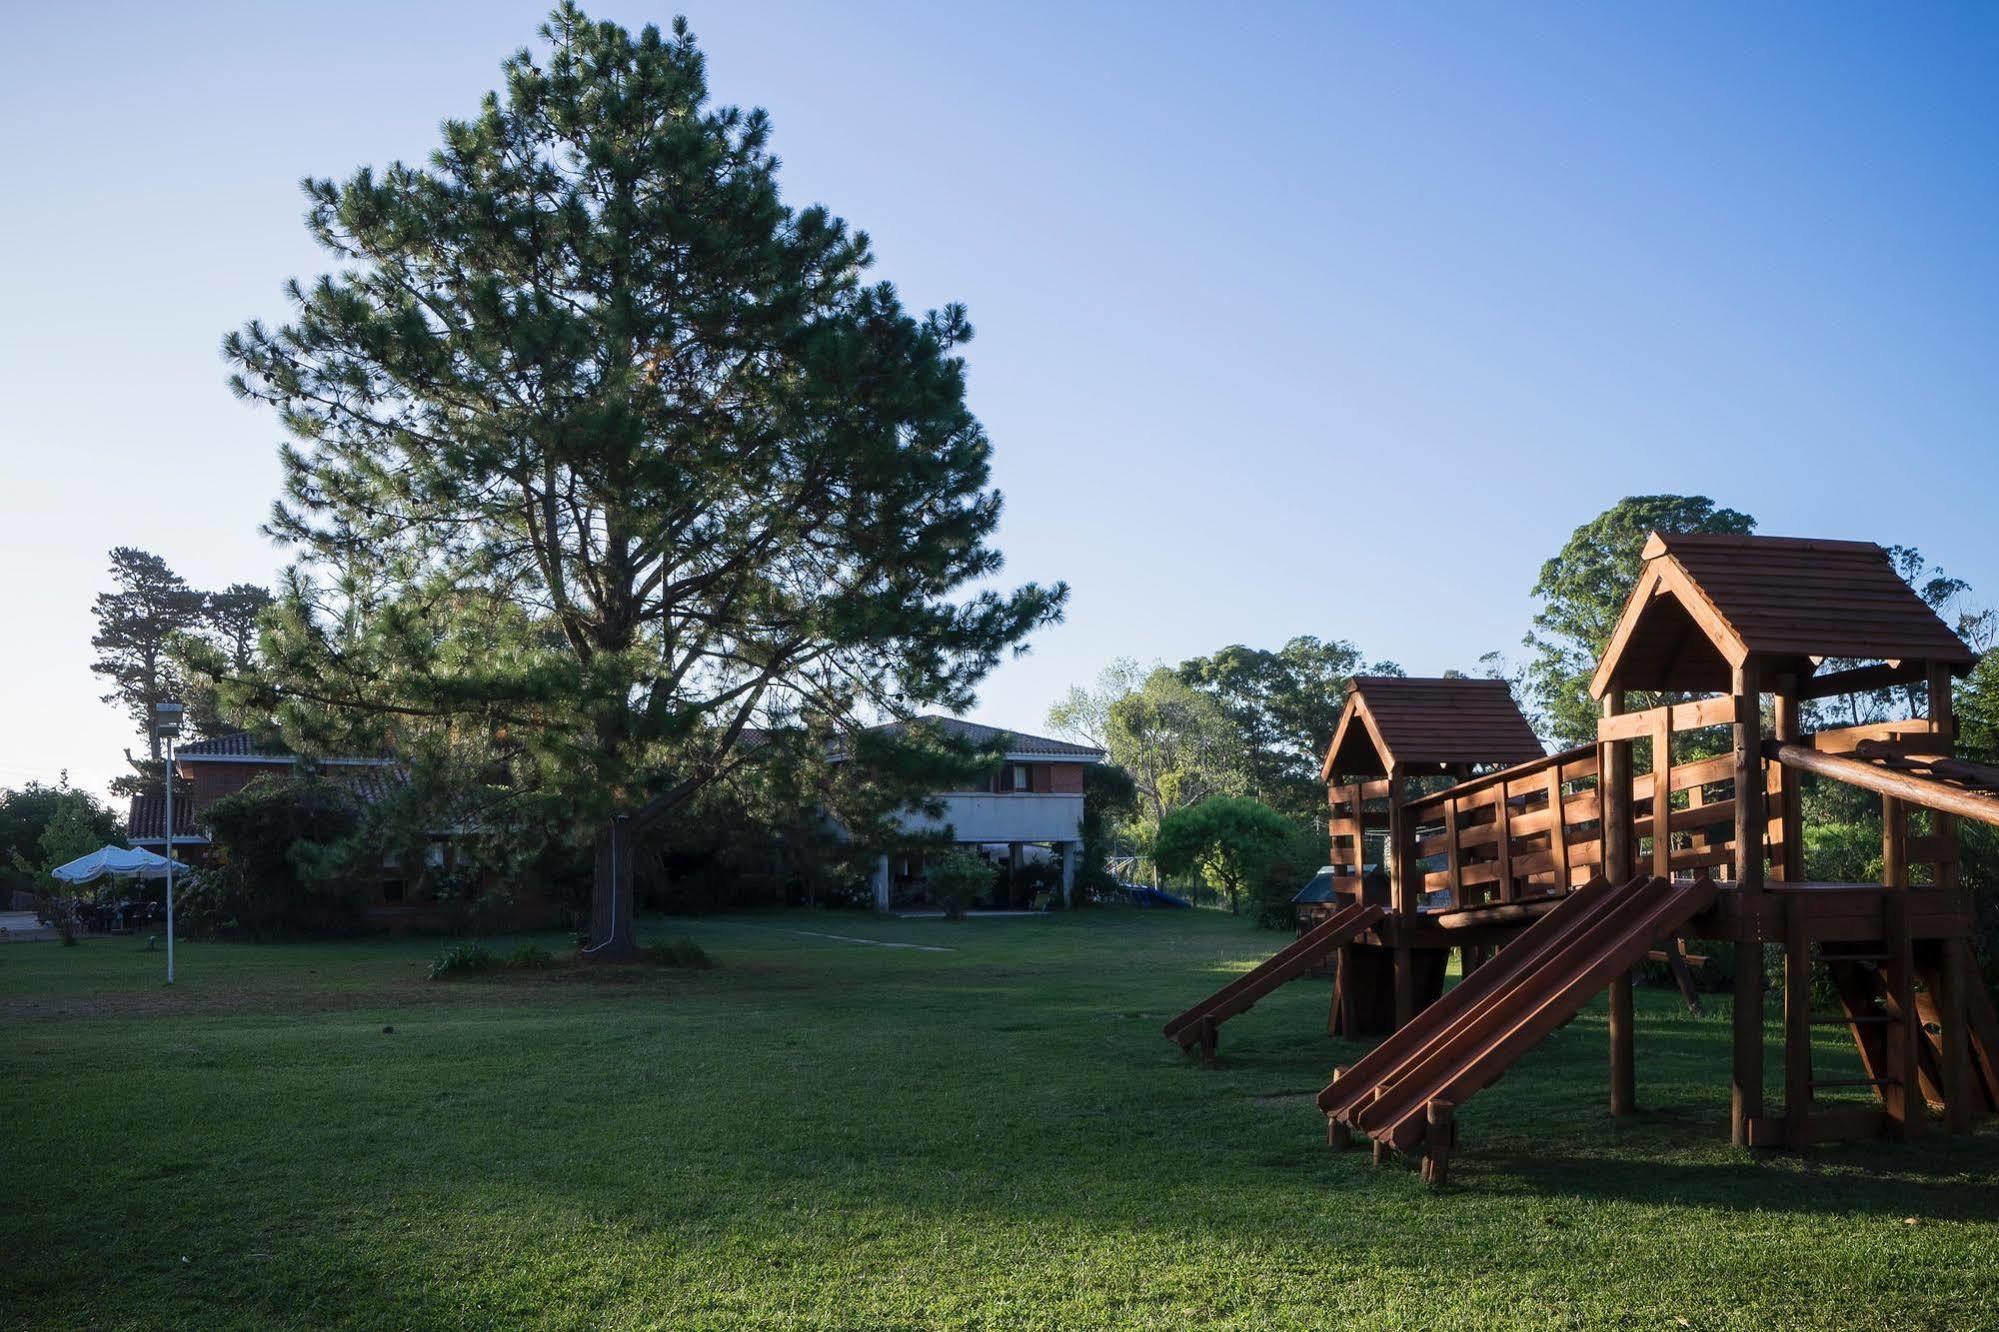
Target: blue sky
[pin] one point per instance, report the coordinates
(1292, 319)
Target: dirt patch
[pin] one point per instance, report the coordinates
(1285, 1098)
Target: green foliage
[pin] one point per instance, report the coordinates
(1232, 841)
(1175, 741)
(529, 957)
(1110, 798)
(289, 862)
(1977, 706)
(682, 953)
(604, 458)
(39, 822)
(136, 626)
(956, 879)
(1284, 706)
(1582, 592)
(463, 959)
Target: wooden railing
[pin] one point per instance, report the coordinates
(1349, 820)
(1530, 831)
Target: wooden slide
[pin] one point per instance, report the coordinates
(1465, 1040)
(1197, 1025)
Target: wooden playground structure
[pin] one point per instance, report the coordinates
(1554, 876)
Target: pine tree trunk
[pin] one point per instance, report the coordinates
(611, 900)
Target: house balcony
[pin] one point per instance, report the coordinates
(1017, 816)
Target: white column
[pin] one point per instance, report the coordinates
(1070, 852)
(881, 883)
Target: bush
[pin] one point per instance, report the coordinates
(678, 953)
(955, 880)
(289, 863)
(465, 959)
(529, 957)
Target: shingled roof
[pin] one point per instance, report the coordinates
(146, 820)
(1427, 725)
(1705, 603)
(1017, 742)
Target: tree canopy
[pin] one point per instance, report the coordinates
(1231, 840)
(1582, 591)
(632, 465)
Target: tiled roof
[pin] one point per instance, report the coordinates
(1429, 721)
(237, 744)
(1780, 599)
(146, 819)
(1017, 742)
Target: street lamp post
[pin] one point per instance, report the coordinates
(166, 724)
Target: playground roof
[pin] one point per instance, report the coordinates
(1705, 603)
(1427, 724)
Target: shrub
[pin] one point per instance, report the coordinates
(465, 959)
(290, 865)
(529, 957)
(678, 953)
(955, 880)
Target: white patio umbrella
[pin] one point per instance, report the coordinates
(118, 863)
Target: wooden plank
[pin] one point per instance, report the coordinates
(1789, 794)
(1679, 716)
(1505, 859)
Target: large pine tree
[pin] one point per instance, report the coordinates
(607, 457)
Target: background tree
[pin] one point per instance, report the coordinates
(1284, 706)
(1231, 840)
(633, 463)
(26, 817)
(137, 624)
(1582, 592)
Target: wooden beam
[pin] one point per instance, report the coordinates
(1916, 790)
(1861, 679)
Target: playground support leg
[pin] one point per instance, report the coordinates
(1746, 1099)
(1440, 1135)
(1339, 1136)
(1405, 985)
(1623, 1060)
(1210, 1035)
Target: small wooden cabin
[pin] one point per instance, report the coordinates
(1395, 735)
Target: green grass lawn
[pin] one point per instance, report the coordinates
(824, 1134)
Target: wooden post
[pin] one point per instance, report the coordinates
(1614, 787)
(1407, 889)
(1620, 844)
(1894, 843)
(1942, 717)
(1558, 829)
(1790, 795)
(1904, 1037)
(1746, 1092)
(1662, 794)
(1339, 1136)
(1954, 1037)
(1503, 814)
(1440, 1133)
(1797, 1027)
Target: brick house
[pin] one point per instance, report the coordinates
(1029, 808)
(207, 770)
